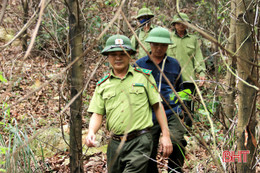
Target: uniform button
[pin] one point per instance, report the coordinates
(122, 111)
(122, 101)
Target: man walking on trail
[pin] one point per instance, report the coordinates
(159, 39)
(126, 96)
(186, 50)
(144, 17)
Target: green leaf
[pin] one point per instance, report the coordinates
(203, 112)
(2, 170)
(220, 138)
(2, 79)
(219, 69)
(184, 95)
(3, 150)
(107, 3)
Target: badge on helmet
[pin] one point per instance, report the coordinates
(118, 43)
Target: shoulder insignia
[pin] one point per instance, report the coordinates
(142, 70)
(103, 79)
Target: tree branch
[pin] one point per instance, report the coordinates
(3, 11)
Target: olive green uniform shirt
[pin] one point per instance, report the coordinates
(142, 35)
(126, 102)
(187, 51)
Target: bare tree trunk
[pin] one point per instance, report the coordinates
(230, 79)
(25, 18)
(76, 49)
(216, 61)
(125, 11)
(247, 95)
(216, 64)
(3, 11)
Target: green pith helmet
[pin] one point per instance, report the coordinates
(144, 12)
(180, 18)
(118, 43)
(159, 35)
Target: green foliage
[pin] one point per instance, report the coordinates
(163, 19)
(201, 113)
(15, 152)
(94, 22)
(3, 150)
(111, 3)
(211, 107)
(184, 95)
(209, 17)
(2, 79)
(53, 29)
(7, 117)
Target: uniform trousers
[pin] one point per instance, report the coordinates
(132, 157)
(176, 159)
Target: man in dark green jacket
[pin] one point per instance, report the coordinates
(144, 17)
(186, 50)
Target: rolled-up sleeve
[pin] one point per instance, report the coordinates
(97, 103)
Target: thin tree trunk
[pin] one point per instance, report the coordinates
(25, 18)
(216, 62)
(247, 95)
(125, 11)
(215, 4)
(4, 4)
(230, 79)
(76, 49)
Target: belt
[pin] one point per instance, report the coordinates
(130, 135)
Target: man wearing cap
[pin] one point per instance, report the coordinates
(186, 50)
(159, 39)
(126, 96)
(144, 17)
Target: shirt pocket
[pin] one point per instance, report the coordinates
(109, 100)
(172, 50)
(137, 90)
(190, 49)
(137, 95)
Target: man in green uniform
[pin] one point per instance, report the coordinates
(186, 50)
(144, 17)
(126, 96)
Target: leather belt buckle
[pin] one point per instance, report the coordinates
(118, 138)
(130, 135)
(122, 138)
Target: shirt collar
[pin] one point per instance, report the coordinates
(147, 59)
(151, 27)
(129, 71)
(186, 34)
